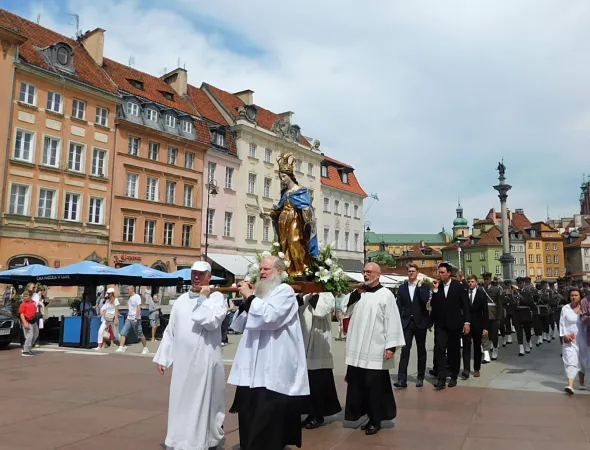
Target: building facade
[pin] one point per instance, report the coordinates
(396, 244)
(545, 252)
(483, 251)
(577, 255)
(341, 206)
(58, 161)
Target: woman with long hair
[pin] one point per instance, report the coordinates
(109, 316)
(575, 348)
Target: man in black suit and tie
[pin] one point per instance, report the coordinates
(451, 317)
(412, 298)
(480, 324)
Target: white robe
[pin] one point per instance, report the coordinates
(192, 342)
(375, 326)
(271, 352)
(575, 354)
(316, 325)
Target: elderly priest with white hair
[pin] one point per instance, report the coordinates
(269, 368)
(192, 343)
(374, 334)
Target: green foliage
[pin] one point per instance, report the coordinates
(75, 307)
(383, 260)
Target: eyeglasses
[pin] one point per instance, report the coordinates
(369, 272)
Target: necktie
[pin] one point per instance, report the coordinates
(471, 295)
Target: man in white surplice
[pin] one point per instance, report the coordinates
(192, 342)
(374, 334)
(269, 368)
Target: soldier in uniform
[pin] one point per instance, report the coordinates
(545, 312)
(509, 307)
(555, 299)
(523, 319)
(496, 314)
(532, 297)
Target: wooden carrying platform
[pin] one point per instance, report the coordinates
(302, 287)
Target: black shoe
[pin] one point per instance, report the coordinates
(433, 373)
(420, 382)
(452, 382)
(372, 429)
(365, 426)
(314, 423)
(400, 385)
(440, 385)
(464, 376)
(307, 421)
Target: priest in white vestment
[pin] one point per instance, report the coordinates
(315, 314)
(192, 343)
(374, 334)
(269, 368)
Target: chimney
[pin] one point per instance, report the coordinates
(519, 211)
(93, 42)
(287, 116)
(178, 80)
(577, 221)
(246, 96)
(475, 221)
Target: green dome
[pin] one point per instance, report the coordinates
(460, 222)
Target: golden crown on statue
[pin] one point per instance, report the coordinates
(286, 162)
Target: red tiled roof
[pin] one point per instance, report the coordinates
(205, 106)
(264, 117)
(490, 237)
(520, 221)
(333, 180)
(335, 161)
(484, 222)
(38, 37)
(417, 253)
(578, 241)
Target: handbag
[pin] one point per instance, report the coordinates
(109, 317)
(492, 307)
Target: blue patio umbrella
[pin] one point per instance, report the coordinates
(85, 273)
(185, 274)
(148, 276)
(25, 274)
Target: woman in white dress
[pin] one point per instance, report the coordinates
(575, 349)
(109, 316)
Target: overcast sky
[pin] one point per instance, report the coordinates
(423, 98)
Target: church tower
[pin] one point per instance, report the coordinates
(460, 225)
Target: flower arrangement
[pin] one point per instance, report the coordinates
(423, 279)
(254, 269)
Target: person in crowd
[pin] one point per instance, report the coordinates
(315, 315)
(269, 368)
(523, 317)
(375, 333)
(109, 318)
(133, 322)
(29, 317)
(412, 301)
(155, 311)
(495, 299)
(231, 309)
(480, 325)
(575, 349)
(340, 305)
(191, 343)
(451, 316)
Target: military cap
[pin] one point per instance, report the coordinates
(519, 280)
(507, 282)
(527, 278)
(543, 282)
(560, 280)
(487, 276)
(552, 282)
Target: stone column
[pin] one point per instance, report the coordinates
(506, 259)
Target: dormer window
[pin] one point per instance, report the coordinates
(187, 127)
(533, 233)
(324, 171)
(218, 139)
(136, 84)
(344, 177)
(168, 95)
(152, 115)
(170, 121)
(63, 56)
(132, 109)
(60, 56)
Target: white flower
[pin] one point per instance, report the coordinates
(284, 276)
(255, 267)
(281, 255)
(276, 244)
(329, 262)
(247, 279)
(287, 263)
(332, 245)
(265, 253)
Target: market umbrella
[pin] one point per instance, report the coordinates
(25, 274)
(185, 274)
(85, 273)
(149, 276)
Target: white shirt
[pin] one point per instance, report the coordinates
(134, 302)
(446, 287)
(316, 324)
(108, 307)
(472, 294)
(36, 298)
(412, 289)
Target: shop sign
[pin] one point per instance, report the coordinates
(126, 258)
(21, 261)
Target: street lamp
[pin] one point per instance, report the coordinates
(211, 192)
(366, 228)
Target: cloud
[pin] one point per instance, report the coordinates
(423, 98)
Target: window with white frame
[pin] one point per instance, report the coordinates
(549, 272)
(498, 270)
(128, 229)
(324, 171)
(482, 256)
(153, 151)
(267, 187)
(267, 155)
(515, 273)
(531, 258)
(151, 193)
(521, 249)
(470, 271)
(188, 196)
(132, 185)
(537, 245)
(134, 144)
(149, 231)
(497, 254)
(102, 116)
(555, 259)
(172, 155)
(51, 151)
(356, 211)
(99, 162)
(326, 235)
(547, 247)
(538, 258)
(347, 209)
(210, 220)
(266, 230)
(522, 272)
(187, 231)
(28, 94)
(170, 121)
(54, 102)
(211, 171)
(539, 271)
(548, 259)
(556, 271)
(96, 211)
(298, 164)
(251, 183)
(252, 150)
(72, 206)
(326, 204)
(311, 194)
(219, 139)
(189, 160)
(227, 224)
(168, 233)
(170, 192)
(337, 239)
(152, 115)
(250, 222)
(521, 260)
(309, 168)
(76, 157)
(346, 239)
(554, 247)
(132, 109)
(46, 206)
(24, 145)
(79, 109)
(344, 177)
(356, 242)
(482, 270)
(336, 206)
(229, 178)
(187, 126)
(467, 256)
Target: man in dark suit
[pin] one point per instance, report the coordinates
(480, 324)
(451, 317)
(412, 298)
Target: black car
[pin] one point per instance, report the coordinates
(9, 329)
